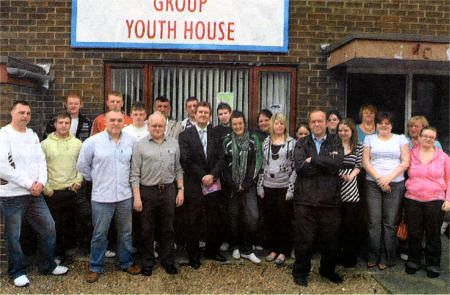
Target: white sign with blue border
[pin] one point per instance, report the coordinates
(228, 25)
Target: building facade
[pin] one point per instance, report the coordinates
(315, 72)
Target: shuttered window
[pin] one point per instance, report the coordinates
(253, 88)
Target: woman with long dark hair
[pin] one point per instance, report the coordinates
(350, 206)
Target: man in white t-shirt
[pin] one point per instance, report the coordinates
(23, 175)
(139, 128)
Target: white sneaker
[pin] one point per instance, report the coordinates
(60, 270)
(110, 254)
(21, 281)
(224, 247)
(236, 254)
(404, 256)
(252, 257)
(202, 244)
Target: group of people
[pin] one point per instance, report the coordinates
(163, 182)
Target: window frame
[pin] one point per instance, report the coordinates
(254, 78)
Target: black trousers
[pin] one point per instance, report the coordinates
(277, 215)
(61, 205)
(158, 208)
(321, 223)
(84, 227)
(424, 219)
(194, 210)
(350, 233)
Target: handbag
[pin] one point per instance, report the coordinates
(402, 231)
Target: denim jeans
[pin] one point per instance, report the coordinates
(424, 219)
(243, 209)
(102, 214)
(35, 210)
(383, 209)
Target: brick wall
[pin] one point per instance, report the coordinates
(39, 32)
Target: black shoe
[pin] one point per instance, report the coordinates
(333, 277)
(171, 269)
(147, 272)
(195, 263)
(67, 260)
(301, 281)
(410, 270)
(432, 274)
(217, 257)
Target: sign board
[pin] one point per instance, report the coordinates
(226, 97)
(228, 25)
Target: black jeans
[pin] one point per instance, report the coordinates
(424, 219)
(312, 223)
(277, 214)
(243, 209)
(350, 232)
(84, 227)
(158, 207)
(61, 205)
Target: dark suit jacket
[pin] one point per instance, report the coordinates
(193, 161)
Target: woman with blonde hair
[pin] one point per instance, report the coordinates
(415, 126)
(276, 188)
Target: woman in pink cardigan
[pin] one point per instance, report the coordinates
(427, 194)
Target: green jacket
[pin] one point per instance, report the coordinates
(61, 155)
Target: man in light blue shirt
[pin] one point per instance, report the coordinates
(105, 159)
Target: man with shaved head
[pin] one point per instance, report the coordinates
(105, 160)
(318, 158)
(154, 167)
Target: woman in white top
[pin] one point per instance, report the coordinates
(385, 158)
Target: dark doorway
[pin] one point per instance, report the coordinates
(386, 92)
(430, 98)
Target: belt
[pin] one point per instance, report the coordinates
(161, 187)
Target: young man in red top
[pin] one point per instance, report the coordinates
(114, 102)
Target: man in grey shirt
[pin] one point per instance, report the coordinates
(155, 165)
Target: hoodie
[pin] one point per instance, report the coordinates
(61, 155)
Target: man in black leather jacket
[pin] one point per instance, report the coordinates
(316, 200)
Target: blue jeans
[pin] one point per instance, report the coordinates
(102, 214)
(244, 214)
(35, 210)
(383, 209)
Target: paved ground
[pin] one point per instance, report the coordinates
(236, 276)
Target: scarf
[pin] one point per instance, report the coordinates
(240, 148)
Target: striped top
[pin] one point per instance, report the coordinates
(349, 189)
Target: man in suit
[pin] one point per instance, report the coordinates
(202, 161)
(173, 127)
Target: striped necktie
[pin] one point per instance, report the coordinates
(203, 139)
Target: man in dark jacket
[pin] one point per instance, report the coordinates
(80, 125)
(202, 162)
(316, 201)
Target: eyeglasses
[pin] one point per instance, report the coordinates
(428, 137)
